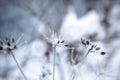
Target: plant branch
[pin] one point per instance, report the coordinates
(18, 65)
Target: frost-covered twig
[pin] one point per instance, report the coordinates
(90, 48)
(54, 57)
(72, 76)
(18, 65)
(55, 40)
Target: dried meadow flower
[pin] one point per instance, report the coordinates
(92, 47)
(8, 47)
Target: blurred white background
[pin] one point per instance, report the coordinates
(95, 20)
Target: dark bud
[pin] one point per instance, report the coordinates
(8, 43)
(58, 42)
(1, 48)
(66, 45)
(87, 42)
(62, 41)
(98, 48)
(103, 53)
(92, 47)
(83, 41)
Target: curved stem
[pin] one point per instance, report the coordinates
(85, 56)
(18, 66)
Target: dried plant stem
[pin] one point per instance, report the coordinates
(72, 76)
(85, 56)
(54, 57)
(18, 66)
(72, 53)
(82, 61)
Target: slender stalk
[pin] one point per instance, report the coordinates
(72, 76)
(85, 56)
(83, 59)
(18, 66)
(54, 56)
(72, 53)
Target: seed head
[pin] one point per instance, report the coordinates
(9, 45)
(92, 47)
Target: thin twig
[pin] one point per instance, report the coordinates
(18, 66)
(73, 73)
(18, 40)
(72, 53)
(73, 76)
(54, 56)
(85, 56)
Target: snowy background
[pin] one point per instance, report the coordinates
(95, 20)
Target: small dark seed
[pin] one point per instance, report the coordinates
(92, 47)
(103, 53)
(1, 48)
(66, 45)
(98, 48)
(62, 41)
(58, 42)
(87, 42)
(8, 43)
(83, 42)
